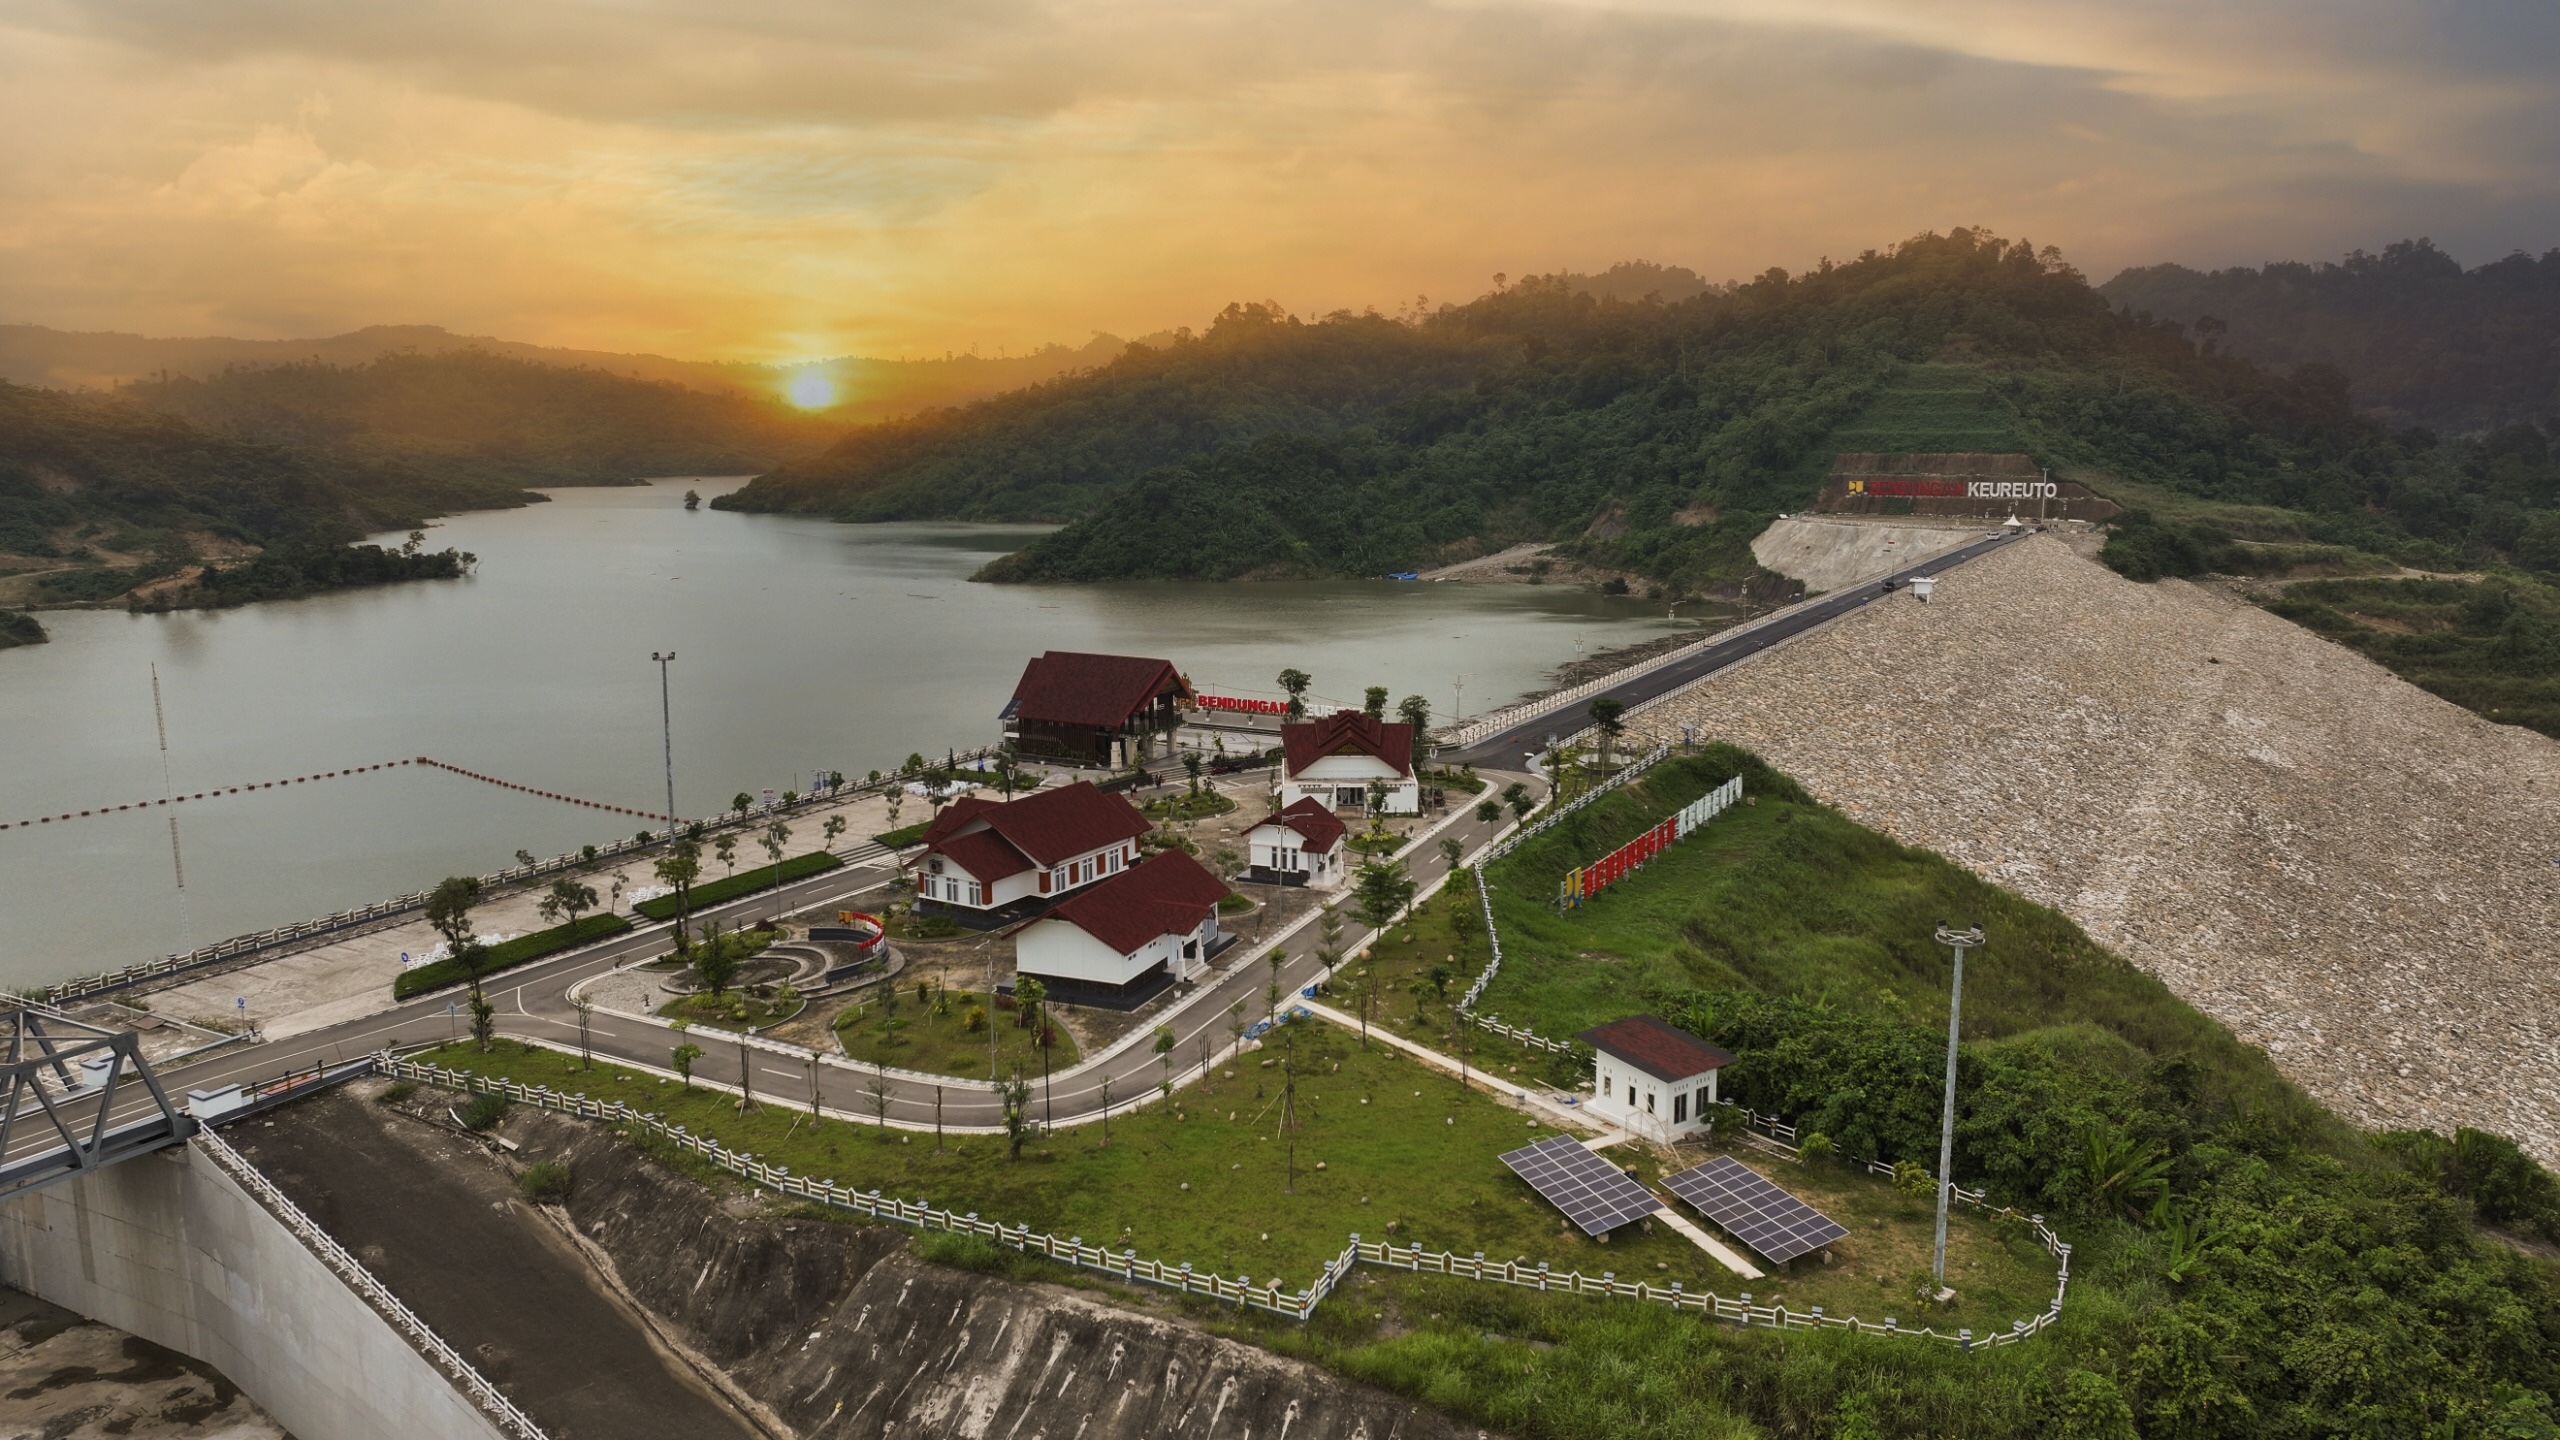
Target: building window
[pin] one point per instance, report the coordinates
(1648, 1102)
(1680, 1108)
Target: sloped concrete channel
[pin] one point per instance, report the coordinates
(678, 1311)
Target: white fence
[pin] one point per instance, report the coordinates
(1269, 1295)
(334, 1255)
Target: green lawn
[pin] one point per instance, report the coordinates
(937, 1038)
(1404, 1152)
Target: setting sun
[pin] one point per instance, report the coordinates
(812, 390)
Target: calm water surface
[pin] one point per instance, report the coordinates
(801, 646)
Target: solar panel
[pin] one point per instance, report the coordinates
(1754, 1211)
(1592, 1193)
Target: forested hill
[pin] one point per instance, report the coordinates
(473, 416)
(1653, 436)
(98, 495)
(1046, 453)
(2421, 340)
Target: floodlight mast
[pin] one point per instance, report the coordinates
(667, 731)
(1960, 941)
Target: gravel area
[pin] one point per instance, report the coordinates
(2341, 867)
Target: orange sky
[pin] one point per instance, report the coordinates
(789, 180)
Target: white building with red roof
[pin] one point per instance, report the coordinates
(1128, 937)
(1302, 844)
(985, 863)
(1652, 1077)
(1088, 709)
(1334, 761)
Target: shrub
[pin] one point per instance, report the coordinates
(514, 952)
(745, 882)
(484, 1112)
(396, 1091)
(544, 1182)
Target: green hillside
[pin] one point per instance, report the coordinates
(1650, 436)
(98, 495)
(2417, 337)
(2245, 1263)
(472, 416)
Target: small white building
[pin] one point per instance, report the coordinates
(1652, 1077)
(1335, 760)
(1128, 937)
(1300, 845)
(986, 863)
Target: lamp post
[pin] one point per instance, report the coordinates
(667, 730)
(1960, 941)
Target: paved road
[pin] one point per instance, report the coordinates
(1530, 736)
(532, 1002)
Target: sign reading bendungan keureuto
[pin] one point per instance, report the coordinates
(1974, 485)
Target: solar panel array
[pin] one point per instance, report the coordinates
(1754, 1211)
(1592, 1193)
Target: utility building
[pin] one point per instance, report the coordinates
(1653, 1077)
(1126, 939)
(1301, 845)
(1335, 760)
(986, 863)
(1106, 710)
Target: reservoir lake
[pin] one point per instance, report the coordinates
(802, 646)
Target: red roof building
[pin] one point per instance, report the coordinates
(1128, 937)
(1090, 709)
(986, 862)
(1334, 762)
(1299, 845)
(1653, 1077)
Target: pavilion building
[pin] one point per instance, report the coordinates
(1105, 710)
(1334, 762)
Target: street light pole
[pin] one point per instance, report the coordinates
(1960, 941)
(667, 730)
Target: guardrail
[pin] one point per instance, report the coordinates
(322, 1245)
(1269, 1295)
(238, 946)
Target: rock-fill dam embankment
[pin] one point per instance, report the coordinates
(2341, 867)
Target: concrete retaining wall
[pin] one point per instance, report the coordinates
(170, 1248)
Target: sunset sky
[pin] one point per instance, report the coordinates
(781, 181)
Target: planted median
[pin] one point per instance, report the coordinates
(763, 877)
(437, 974)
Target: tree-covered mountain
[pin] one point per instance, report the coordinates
(2420, 339)
(1047, 452)
(98, 494)
(476, 416)
(1653, 436)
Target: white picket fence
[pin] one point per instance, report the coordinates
(374, 1293)
(1268, 1295)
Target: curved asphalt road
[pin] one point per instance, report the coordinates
(533, 1001)
(1529, 737)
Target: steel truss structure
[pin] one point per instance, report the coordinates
(64, 1114)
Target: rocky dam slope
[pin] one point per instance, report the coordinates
(2339, 866)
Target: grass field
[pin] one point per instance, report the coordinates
(942, 1043)
(2492, 647)
(508, 954)
(1404, 1153)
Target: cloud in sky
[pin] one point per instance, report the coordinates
(806, 178)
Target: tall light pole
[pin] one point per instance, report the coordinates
(1960, 941)
(667, 729)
